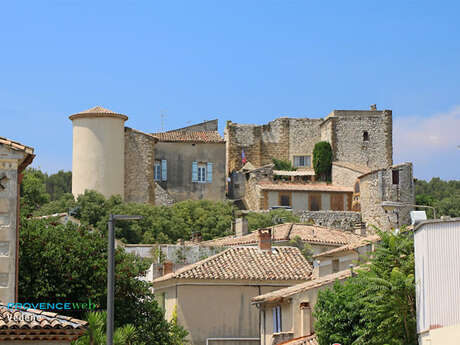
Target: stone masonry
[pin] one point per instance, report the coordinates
(379, 186)
(361, 137)
(139, 163)
(343, 220)
(14, 158)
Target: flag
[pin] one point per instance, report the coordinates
(243, 157)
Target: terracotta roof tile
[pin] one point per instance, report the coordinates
(16, 146)
(247, 263)
(311, 339)
(31, 324)
(98, 112)
(312, 234)
(193, 137)
(351, 246)
(319, 187)
(279, 295)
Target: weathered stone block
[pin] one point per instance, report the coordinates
(4, 205)
(4, 248)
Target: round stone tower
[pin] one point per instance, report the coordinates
(98, 152)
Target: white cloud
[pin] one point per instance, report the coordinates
(416, 135)
(431, 143)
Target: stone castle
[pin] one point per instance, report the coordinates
(195, 162)
(356, 136)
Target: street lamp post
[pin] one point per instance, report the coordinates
(111, 272)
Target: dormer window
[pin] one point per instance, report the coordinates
(365, 136)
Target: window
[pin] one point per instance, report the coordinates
(285, 199)
(365, 136)
(302, 161)
(202, 172)
(314, 201)
(157, 171)
(335, 265)
(395, 174)
(277, 319)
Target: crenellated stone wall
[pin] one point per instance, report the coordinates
(282, 138)
(345, 129)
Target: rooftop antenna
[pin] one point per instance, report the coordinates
(162, 116)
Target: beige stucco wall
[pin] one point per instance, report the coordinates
(98, 155)
(213, 310)
(290, 314)
(441, 336)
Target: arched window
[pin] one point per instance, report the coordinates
(365, 136)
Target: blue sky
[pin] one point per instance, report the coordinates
(245, 61)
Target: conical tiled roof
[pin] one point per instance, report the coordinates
(98, 112)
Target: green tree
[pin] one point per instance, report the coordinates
(178, 334)
(258, 220)
(305, 248)
(96, 333)
(380, 301)
(283, 165)
(58, 184)
(443, 195)
(69, 264)
(33, 191)
(322, 159)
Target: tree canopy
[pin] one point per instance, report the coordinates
(322, 159)
(443, 195)
(377, 306)
(69, 264)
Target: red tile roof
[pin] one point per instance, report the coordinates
(318, 187)
(311, 339)
(192, 137)
(14, 145)
(247, 263)
(280, 295)
(312, 234)
(98, 112)
(352, 246)
(30, 324)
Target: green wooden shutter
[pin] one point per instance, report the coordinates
(194, 171)
(209, 170)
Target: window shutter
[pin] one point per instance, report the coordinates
(164, 170)
(209, 169)
(275, 322)
(278, 310)
(194, 171)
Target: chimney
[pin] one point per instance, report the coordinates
(265, 239)
(373, 106)
(305, 319)
(167, 267)
(196, 237)
(241, 227)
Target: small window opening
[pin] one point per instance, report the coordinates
(395, 176)
(365, 136)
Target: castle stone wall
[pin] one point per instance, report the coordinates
(343, 220)
(139, 163)
(377, 187)
(348, 127)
